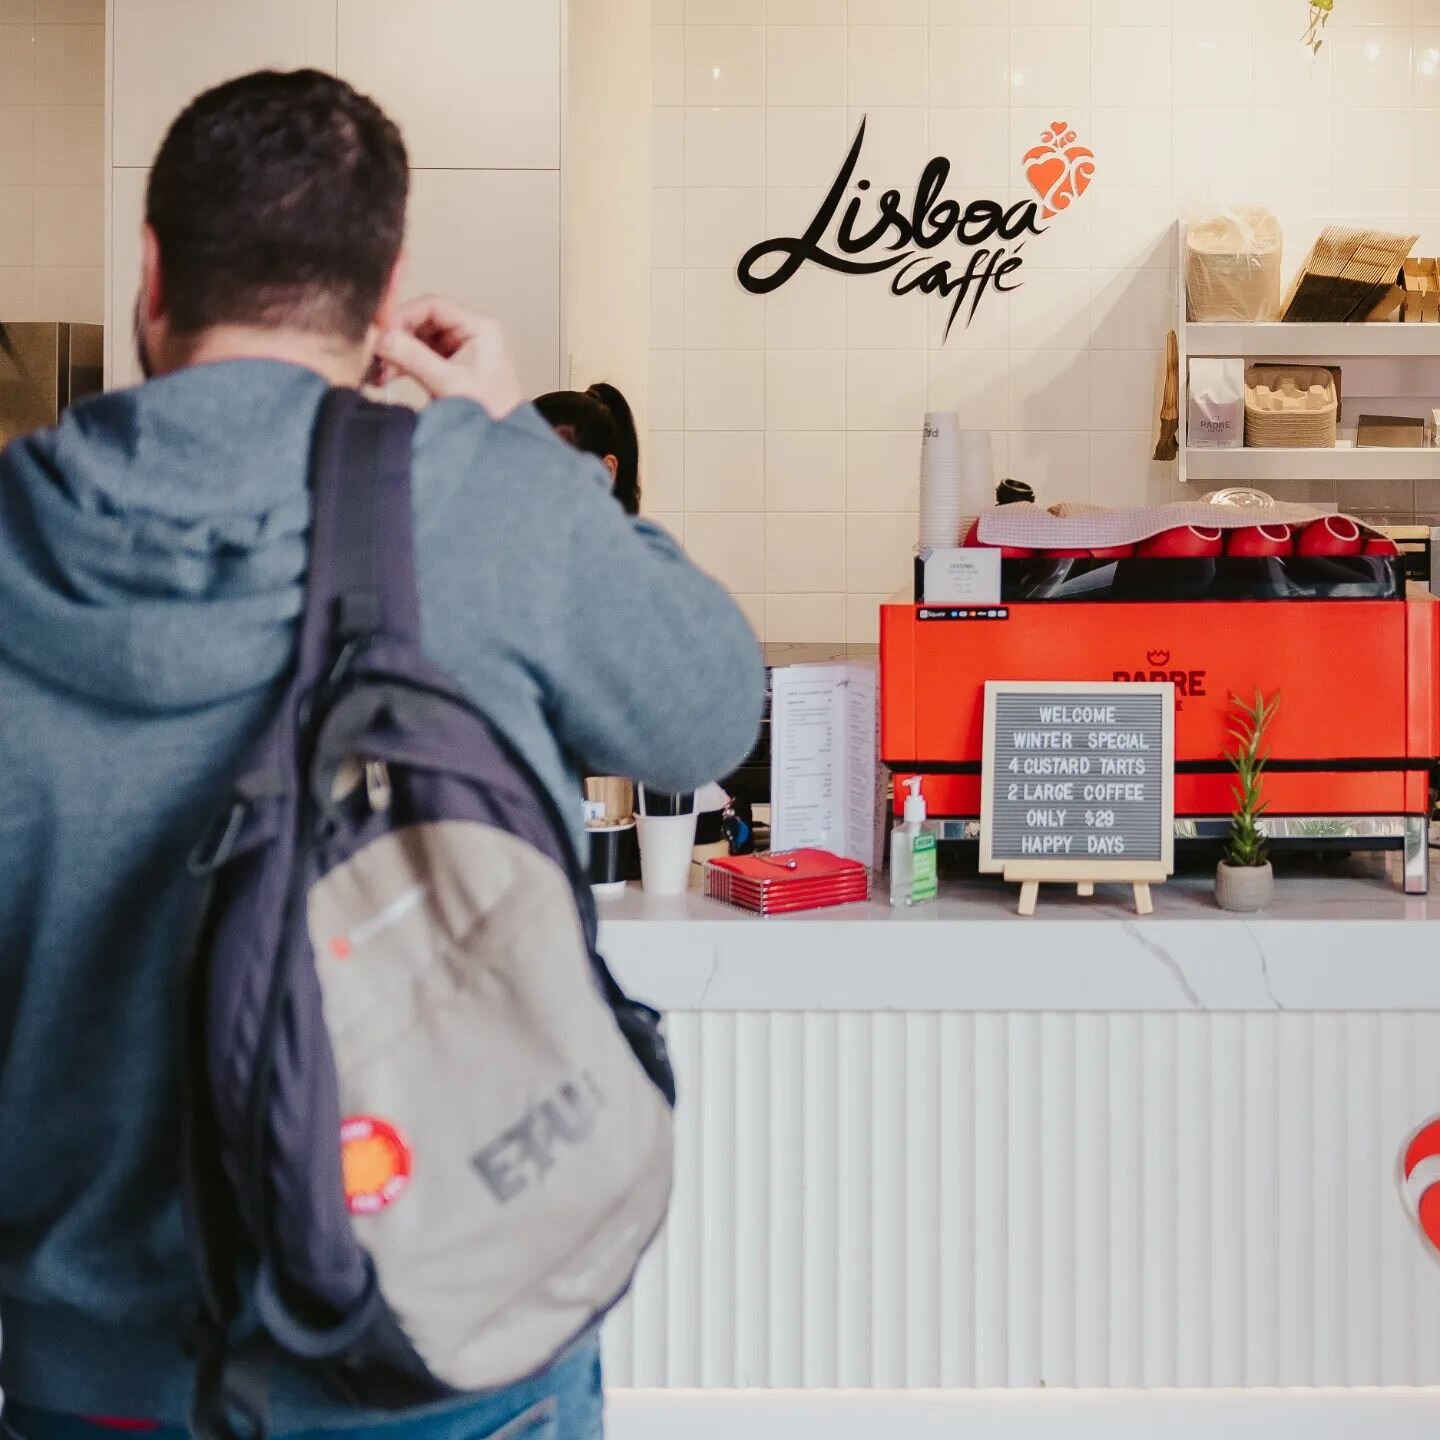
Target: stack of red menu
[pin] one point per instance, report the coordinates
(788, 881)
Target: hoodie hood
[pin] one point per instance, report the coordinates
(153, 520)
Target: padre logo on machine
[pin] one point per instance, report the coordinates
(1189, 684)
(881, 233)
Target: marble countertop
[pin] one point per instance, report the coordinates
(1340, 939)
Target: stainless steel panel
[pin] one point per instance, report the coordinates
(44, 369)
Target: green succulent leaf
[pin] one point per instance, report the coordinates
(1247, 845)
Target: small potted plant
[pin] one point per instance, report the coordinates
(1245, 881)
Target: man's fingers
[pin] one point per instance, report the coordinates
(436, 315)
(414, 358)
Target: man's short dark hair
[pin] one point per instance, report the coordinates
(278, 200)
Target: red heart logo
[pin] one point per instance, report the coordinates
(1059, 169)
(1420, 1180)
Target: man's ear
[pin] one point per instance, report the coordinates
(152, 279)
(612, 465)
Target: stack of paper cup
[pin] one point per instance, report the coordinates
(956, 479)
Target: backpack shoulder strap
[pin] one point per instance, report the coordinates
(362, 546)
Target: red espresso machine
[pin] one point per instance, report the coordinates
(1353, 655)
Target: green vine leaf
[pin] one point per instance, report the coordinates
(1319, 12)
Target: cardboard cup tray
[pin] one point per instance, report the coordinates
(1290, 406)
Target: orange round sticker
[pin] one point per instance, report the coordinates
(376, 1161)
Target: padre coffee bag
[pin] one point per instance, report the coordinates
(1217, 405)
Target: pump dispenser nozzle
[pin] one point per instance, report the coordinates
(915, 811)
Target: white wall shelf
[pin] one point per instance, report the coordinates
(1390, 368)
(1344, 462)
(1299, 342)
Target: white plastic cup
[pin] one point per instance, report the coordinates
(945, 462)
(667, 847)
(940, 438)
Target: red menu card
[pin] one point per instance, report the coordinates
(787, 881)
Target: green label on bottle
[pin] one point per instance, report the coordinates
(925, 873)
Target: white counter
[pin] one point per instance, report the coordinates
(956, 1151)
(1351, 941)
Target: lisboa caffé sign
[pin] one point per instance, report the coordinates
(912, 241)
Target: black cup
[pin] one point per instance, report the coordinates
(612, 850)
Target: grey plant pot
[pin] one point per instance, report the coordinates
(1244, 889)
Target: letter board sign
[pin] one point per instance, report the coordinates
(1078, 781)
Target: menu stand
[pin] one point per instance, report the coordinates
(1085, 889)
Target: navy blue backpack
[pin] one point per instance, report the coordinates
(427, 1137)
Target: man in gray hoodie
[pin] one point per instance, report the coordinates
(152, 561)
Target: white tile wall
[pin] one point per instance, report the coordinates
(725, 471)
(69, 64)
(719, 315)
(52, 151)
(724, 390)
(70, 225)
(17, 63)
(165, 54)
(809, 313)
(473, 85)
(880, 474)
(805, 470)
(802, 407)
(491, 239)
(805, 65)
(805, 554)
(665, 471)
(17, 226)
(805, 390)
(887, 65)
(724, 65)
(70, 144)
(721, 224)
(17, 144)
(70, 12)
(724, 146)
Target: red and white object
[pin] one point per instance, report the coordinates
(1261, 541)
(1186, 542)
(1420, 1180)
(1091, 528)
(1382, 546)
(1007, 552)
(1331, 535)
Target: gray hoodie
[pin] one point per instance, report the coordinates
(152, 558)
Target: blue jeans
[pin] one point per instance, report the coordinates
(566, 1403)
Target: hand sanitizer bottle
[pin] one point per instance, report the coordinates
(914, 877)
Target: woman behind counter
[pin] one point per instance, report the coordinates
(599, 422)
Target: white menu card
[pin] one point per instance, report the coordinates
(827, 786)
